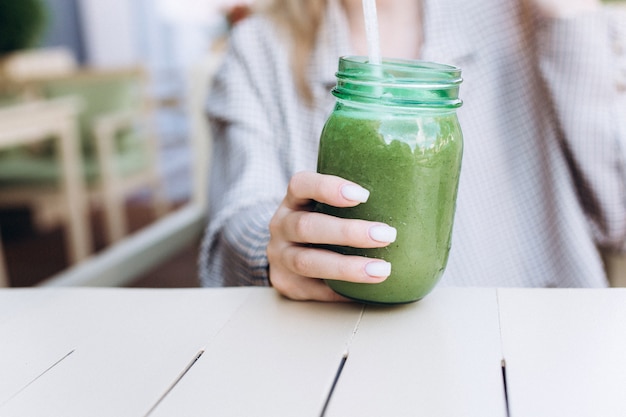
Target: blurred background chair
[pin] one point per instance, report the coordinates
(38, 63)
(146, 249)
(47, 40)
(24, 125)
(117, 143)
(4, 276)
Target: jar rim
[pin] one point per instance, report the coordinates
(398, 82)
(399, 69)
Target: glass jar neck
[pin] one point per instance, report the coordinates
(398, 83)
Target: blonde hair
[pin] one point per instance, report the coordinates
(301, 19)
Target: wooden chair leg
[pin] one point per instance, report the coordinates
(159, 201)
(159, 198)
(115, 216)
(78, 230)
(4, 275)
(114, 201)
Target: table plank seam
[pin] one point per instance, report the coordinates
(29, 383)
(176, 381)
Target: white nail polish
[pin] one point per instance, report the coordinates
(383, 233)
(355, 193)
(378, 269)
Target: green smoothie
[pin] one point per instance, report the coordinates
(410, 164)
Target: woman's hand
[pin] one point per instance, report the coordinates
(296, 269)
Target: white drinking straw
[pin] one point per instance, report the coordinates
(371, 31)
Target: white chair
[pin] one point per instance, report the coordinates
(38, 63)
(117, 141)
(138, 253)
(29, 123)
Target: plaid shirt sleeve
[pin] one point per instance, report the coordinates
(248, 181)
(572, 53)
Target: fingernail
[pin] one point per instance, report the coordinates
(383, 233)
(378, 269)
(355, 193)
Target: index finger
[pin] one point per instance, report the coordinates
(328, 189)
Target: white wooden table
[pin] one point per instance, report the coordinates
(249, 352)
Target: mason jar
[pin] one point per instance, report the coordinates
(394, 131)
